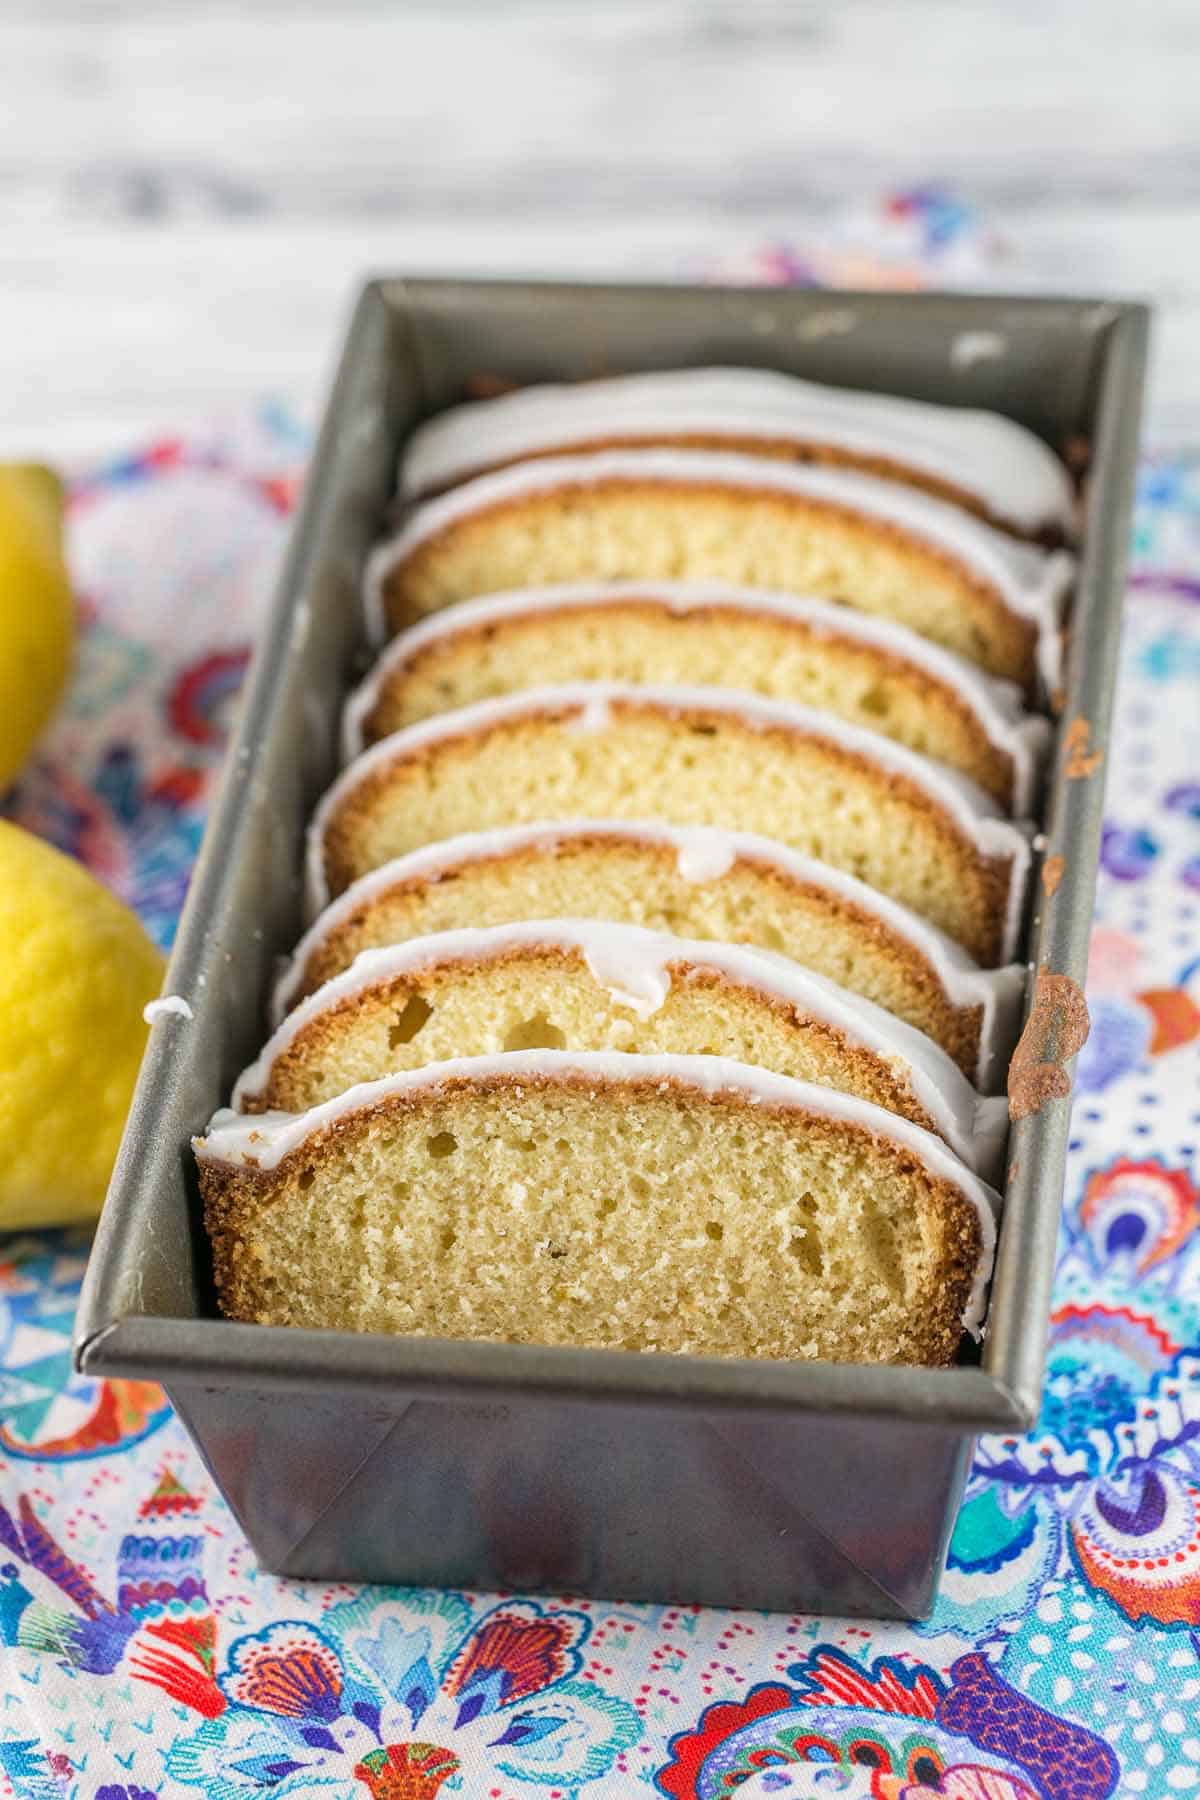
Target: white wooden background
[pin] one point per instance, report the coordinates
(189, 190)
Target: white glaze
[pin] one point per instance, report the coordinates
(706, 853)
(996, 705)
(1000, 464)
(974, 813)
(634, 966)
(594, 715)
(166, 1007)
(262, 1140)
(703, 853)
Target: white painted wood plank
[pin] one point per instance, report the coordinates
(146, 330)
(187, 196)
(535, 104)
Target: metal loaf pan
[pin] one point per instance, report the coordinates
(797, 1486)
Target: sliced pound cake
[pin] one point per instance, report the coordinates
(869, 671)
(980, 460)
(699, 882)
(690, 515)
(590, 985)
(681, 1204)
(693, 756)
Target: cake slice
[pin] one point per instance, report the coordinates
(869, 671)
(671, 1203)
(700, 882)
(647, 515)
(692, 756)
(585, 984)
(980, 460)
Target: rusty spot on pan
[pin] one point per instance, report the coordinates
(1080, 761)
(1053, 870)
(1056, 1028)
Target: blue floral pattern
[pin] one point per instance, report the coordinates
(402, 1692)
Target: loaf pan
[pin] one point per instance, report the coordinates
(794, 1486)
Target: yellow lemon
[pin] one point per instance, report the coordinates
(76, 969)
(37, 614)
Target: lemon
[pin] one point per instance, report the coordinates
(76, 969)
(37, 614)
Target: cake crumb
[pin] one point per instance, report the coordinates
(971, 347)
(1057, 1027)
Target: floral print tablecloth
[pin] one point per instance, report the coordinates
(145, 1655)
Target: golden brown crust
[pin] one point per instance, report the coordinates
(961, 1245)
(984, 880)
(987, 764)
(234, 1194)
(956, 1028)
(1008, 642)
(774, 449)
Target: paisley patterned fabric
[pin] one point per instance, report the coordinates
(145, 1656)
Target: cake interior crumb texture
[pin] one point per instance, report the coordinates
(696, 768)
(545, 997)
(643, 1218)
(637, 882)
(617, 530)
(716, 646)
